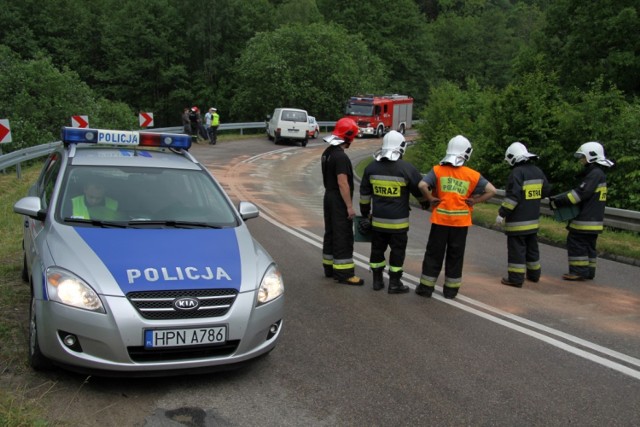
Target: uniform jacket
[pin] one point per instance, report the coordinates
(526, 187)
(387, 185)
(591, 197)
(335, 162)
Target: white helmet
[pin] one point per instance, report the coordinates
(393, 146)
(517, 153)
(458, 151)
(593, 152)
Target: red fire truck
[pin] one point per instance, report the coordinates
(378, 114)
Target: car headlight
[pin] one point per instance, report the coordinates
(271, 286)
(67, 288)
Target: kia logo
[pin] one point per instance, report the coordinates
(186, 303)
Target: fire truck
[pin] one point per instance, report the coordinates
(378, 114)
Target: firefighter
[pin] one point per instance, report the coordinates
(337, 177)
(526, 186)
(385, 189)
(591, 197)
(458, 188)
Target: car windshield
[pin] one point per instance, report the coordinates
(359, 110)
(143, 197)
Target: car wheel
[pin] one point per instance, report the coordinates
(269, 137)
(276, 140)
(25, 272)
(304, 142)
(37, 360)
(380, 131)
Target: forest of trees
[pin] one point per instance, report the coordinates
(549, 73)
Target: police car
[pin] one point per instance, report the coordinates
(139, 263)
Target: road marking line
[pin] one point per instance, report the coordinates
(363, 262)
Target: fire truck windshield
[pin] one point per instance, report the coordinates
(359, 110)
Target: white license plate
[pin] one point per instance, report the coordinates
(157, 338)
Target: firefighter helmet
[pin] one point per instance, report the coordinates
(458, 151)
(393, 146)
(517, 153)
(344, 131)
(593, 152)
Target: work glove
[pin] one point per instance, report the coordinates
(499, 220)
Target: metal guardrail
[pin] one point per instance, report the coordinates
(622, 219)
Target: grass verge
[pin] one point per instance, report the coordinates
(16, 407)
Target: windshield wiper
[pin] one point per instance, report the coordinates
(97, 222)
(174, 223)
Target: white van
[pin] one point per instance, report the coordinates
(288, 124)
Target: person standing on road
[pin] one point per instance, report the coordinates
(186, 122)
(526, 186)
(384, 191)
(337, 177)
(458, 188)
(213, 129)
(591, 197)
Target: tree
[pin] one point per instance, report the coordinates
(587, 39)
(315, 67)
(39, 99)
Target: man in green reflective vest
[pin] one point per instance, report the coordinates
(93, 204)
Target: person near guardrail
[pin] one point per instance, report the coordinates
(337, 178)
(458, 189)
(186, 123)
(519, 215)
(387, 184)
(591, 197)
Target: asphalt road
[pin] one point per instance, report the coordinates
(551, 353)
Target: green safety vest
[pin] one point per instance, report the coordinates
(80, 209)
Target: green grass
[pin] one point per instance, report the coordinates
(615, 244)
(16, 409)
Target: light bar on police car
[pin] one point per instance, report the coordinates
(122, 137)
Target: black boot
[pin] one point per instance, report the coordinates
(378, 281)
(395, 285)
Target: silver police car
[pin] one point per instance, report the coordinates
(139, 263)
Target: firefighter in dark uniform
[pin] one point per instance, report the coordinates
(337, 176)
(591, 197)
(519, 213)
(457, 189)
(385, 189)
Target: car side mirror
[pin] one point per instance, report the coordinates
(268, 117)
(248, 210)
(31, 207)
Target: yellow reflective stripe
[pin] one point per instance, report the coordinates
(343, 266)
(579, 263)
(586, 226)
(521, 227)
(394, 269)
(573, 197)
(516, 268)
(388, 226)
(377, 264)
(533, 266)
(428, 281)
(453, 213)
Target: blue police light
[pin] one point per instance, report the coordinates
(128, 138)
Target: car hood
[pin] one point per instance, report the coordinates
(117, 261)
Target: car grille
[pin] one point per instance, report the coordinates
(140, 354)
(158, 305)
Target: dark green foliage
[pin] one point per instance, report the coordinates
(38, 99)
(314, 67)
